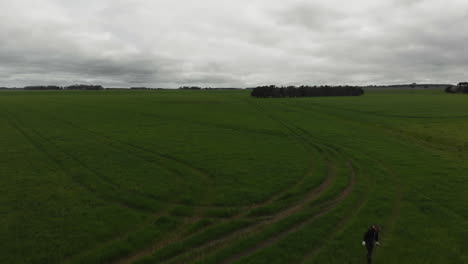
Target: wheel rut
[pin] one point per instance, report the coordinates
(310, 196)
(300, 137)
(75, 178)
(160, 244)
(114, 143)
(328, 206)
(165, 156)
(168, 157)
(340, 228)
(116, 239)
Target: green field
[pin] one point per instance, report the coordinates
(220, 177)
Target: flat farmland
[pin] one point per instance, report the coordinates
(172, 176)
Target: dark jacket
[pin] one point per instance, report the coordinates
(371, 236)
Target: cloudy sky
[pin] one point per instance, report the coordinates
(168, 43)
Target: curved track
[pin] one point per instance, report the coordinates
(258, 233)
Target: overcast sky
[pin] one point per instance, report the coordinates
(159, 43)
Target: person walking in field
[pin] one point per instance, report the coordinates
(371, 238)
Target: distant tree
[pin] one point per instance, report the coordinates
(42, 87)
(449, 89)
(84, 87)
(306, 91)
(190, 88)
(462, 87)
(139, 88)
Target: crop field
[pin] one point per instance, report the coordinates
(220, 177)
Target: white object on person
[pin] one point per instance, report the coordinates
(377, 243)
(363, 243)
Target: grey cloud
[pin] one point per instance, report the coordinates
(226, 43)
(313, 16)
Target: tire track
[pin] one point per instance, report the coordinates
(332, 204)
(191, 220)
(341, 226)
(300, 138)
(329, 206)
(95, 191)
(395, 209)
(328, 181)
(116, 187)
(289, 211)
(174, 159)
(110, 242)
(257, 227)
(178, 161)
(90, 189)
(344, 221)
(166, 157)
(175, 236)
(178, 235)
(144, 149)
(200, 171)
(312, 195)
(62, 167)
(400, 189)
(140, 147)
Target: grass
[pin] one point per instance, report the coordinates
(219, 177)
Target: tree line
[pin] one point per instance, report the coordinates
(71, 87)
(207, 88)
(306, 91)
(460, 88)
